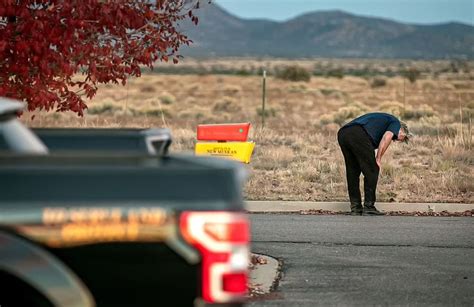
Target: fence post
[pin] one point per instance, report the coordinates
(404, 101)
(263, 97)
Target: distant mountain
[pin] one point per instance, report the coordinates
(324, 34)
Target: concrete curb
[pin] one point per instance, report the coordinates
(297, 206)
(264, 276)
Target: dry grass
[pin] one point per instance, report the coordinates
(296, 155)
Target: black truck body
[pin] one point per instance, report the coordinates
(88, 228)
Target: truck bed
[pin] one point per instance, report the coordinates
(174, 181)
(52, 202)
(155, 141)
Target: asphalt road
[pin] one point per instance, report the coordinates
(365, 261)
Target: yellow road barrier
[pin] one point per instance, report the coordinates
(240, 151)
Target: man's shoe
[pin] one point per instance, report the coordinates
(356, 208)
(369, 209)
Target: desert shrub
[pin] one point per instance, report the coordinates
(467, 113)
(357, 104)
(378, 82)
(346, 113)
(459, 65)
(167, 99)
(193, 88)
(326, 119)
(392, 107)
(294, 73)
(147, 89)
(270, 112)
(243, 72)
(335, 73)
(408, 112)
(227, 104)
(297, 88)
(232, 89)
(432, 126)
(342, 115)
(195, 111)
(430, 121)
(429, 85)
(422, 128)
(412, 74)
(149, 111)
(103, 108)
(328, 91)
(422, 111)
(157, 112)
(462, 85)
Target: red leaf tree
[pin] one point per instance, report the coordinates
(53, 53)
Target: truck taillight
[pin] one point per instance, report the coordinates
(223, 241)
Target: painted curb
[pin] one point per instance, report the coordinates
(264, 276)
(297, 206)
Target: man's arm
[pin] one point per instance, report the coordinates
(384, 143)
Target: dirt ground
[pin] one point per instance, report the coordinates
(296, 155)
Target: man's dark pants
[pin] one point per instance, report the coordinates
(359, 156)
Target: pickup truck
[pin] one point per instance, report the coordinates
(114, 226)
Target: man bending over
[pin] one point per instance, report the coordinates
(358, 139)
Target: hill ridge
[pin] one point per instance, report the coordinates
(330, 33)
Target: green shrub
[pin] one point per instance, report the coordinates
(167, 99)
(243, 72)
(335, 73)
(378, 82)
(294, 73)
(412, 74)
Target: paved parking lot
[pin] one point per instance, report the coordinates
(344, 260)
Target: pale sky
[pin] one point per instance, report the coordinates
(409, 11)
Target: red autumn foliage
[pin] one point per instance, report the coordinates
(54, 53)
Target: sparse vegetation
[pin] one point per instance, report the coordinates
(422, 111)
(296, 155)
(103, 109)
(294, 73)
(271, 112)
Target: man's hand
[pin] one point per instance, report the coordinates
(384, 143)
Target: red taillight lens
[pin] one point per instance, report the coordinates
(223, 241)
(235, 282)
